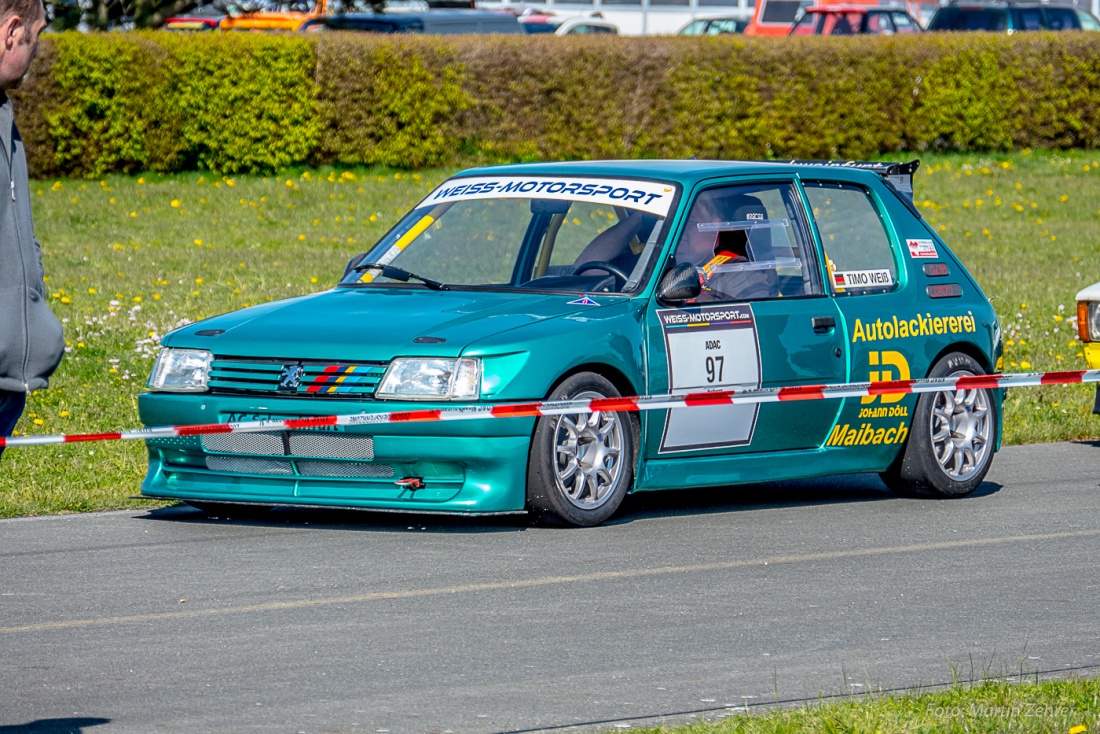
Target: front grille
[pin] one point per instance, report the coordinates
(241, 465)
(312, 444)
(315, 379)
(331, 446)
(306, 468)
(267, 444)
(344, 470)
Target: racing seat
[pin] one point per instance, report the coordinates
(741, 278)
(613, 244)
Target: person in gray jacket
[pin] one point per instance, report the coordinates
(31, 341)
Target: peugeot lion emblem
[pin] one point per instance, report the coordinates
(291, 376)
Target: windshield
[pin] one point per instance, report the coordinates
(557, 233)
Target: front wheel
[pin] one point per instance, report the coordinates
(950, 447)
(581, 464)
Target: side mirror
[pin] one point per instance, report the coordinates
(680, 284)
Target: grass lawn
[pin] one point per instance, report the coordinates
(1053, 707)
(130, 258)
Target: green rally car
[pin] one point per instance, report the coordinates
(586, 280)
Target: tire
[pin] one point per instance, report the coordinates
(581, 465)
(951, 440)
(230, 510)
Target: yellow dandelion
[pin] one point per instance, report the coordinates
(133, 215)
(156, 296)
(175, 203)
(64, 414)
(39, 422)
(66, 299)
(1025, 365)
(1063, 198)
(1010, 343)
(313, 280)
(80, 345)
(198, 281)
(137, 299)
(198, 242)
(91, 291)
(141, 181)
(72, 200)
(301, 237)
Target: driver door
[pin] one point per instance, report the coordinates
(784, 332)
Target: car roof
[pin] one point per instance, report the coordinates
(409, 16)
(845, 9)
(687, 172)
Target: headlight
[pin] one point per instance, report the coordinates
(415, 378)
(1088, 321)
(181, 370)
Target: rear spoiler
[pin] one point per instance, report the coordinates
(898, 175)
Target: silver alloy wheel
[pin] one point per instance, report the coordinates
(588, 449)
(961, 426)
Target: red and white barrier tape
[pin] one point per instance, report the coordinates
(562, 407)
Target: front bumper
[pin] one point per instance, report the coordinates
(470, 467)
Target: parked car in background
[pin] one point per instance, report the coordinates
(276, 15)
(775, 17)
(852, 20)
(566, 26)
(203, 18)
(433, 22)
(716, 26)
(1002, 17)
(1088, 328)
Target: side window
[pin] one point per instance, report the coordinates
(1029, 19)
(904, 24)
(748, 243)
(858, 253)
(1087, 21)
(879, 24)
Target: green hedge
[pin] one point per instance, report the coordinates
(251, 102)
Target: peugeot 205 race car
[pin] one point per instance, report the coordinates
(587, 280)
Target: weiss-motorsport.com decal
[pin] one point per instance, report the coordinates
(710, 348)
(648, 196)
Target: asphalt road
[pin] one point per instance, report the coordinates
(689, 604)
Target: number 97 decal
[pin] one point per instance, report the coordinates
(710, 348)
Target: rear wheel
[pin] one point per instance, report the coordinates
(950, 446)
(581, 465)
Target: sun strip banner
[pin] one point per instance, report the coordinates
(568, 407)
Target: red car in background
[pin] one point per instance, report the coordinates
(852, 20)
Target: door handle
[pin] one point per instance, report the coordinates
(823, 324)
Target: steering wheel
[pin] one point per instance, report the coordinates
(602, 265)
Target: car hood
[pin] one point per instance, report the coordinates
(376, 324)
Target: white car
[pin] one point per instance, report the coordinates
(1088, 328)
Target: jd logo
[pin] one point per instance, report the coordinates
(291, 376)
(887, 359)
